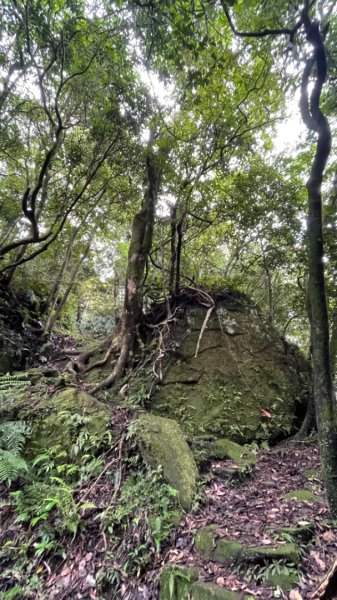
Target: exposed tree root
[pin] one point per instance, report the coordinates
(118, 370)
(79, 364)
(113, 349)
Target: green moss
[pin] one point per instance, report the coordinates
(204, 540)
(312, 473)
(301, 532)
(231, 551)
(176, 582)
(209, 591)
(224, 448)
(302, 496)
(181, 583)
(228, 551)
(222, 389)
(163, 443)
(286, 581)
(56, 421)
(286, 552)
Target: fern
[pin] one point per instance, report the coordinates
(10, 382)
(37, 500)
(13, 435)
(11, 466)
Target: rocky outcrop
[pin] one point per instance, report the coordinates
(231, 377)
(163, 443)
(56, 421)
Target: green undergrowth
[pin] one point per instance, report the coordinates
(13, 434)
(141, 524)
(46, 506)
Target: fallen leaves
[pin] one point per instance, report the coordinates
(295, 595)
(319, 562)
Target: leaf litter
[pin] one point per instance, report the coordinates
(251, 512)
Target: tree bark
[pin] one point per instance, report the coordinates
(139, 249)
(54, 315)
(173, 249)
(323, 389)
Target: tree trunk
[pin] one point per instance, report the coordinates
(323, 390)
(52, 298)
(269, 284)
(333, 344)
(173, 248)
(54, 315)
(179, 249)
(139, 249)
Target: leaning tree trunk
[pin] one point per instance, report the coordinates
(323, 390)
(139, 249)
(57, 308)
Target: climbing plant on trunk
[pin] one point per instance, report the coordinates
(315, 72)
(139, 249)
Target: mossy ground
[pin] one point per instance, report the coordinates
(302, 496)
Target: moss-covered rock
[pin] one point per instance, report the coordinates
(302, 496)
(285, 581)
(304, 532)
(286, 552)
(227, 551)
(224, 448)
(181, 583)
(176, 582)
(204, 540)
(241, 366)
(58, 420)
(163, 443)
(209, 591)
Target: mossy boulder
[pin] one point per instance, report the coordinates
(224, 448)
(229, 552)
(209, 591)
(181, 583)
(242, 366)
(58, 420)
(163, 443)
(302, 496)
(283, 580)
(176, 582)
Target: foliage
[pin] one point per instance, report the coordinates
(11, 383)
(35, 503)
(12, 466)
(13, 434)
(260, 573)
(146, 505)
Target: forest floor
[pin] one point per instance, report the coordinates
(252, 511)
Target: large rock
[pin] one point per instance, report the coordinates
(58, 420)
(181, 583)
(241, 372)
(163, 443)
(226, 551)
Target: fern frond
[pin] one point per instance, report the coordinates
(11, 466)
(13, 435)
(9, 382)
